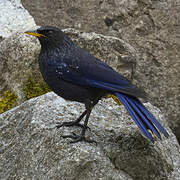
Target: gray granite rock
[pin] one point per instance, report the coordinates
(13, 18)
(32, 148)
(18, 54)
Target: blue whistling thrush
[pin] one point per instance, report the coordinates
(76, 75)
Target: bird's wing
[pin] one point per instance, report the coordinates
(84, 69)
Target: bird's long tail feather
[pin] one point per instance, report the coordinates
(143, 118)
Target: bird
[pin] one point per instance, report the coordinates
(76, 75)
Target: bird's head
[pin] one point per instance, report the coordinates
(47, 35)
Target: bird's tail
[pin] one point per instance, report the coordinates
(143, 118)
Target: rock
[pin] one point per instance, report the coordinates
(151, 27)
(18, 54)
(19, 67)
(153, 31)
(14, 18)
(32, 148)
(88, 15)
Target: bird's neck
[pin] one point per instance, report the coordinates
(57, 47)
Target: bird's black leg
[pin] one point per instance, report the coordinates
(73, 123)
(89, 106)
(81, 137)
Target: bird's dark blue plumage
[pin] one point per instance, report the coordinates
(76, 75)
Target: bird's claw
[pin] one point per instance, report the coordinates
(71, 123)
(75, 137)
(78, 138)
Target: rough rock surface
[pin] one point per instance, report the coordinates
(19, 54)
(151, 27)
(32, 148)
(13, 18)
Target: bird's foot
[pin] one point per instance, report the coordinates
(78, 138)
(69, 124)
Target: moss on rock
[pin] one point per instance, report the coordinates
(33, 88)
(7, 101)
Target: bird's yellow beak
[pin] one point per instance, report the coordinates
(34, 33)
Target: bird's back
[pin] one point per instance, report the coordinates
(56, 68)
